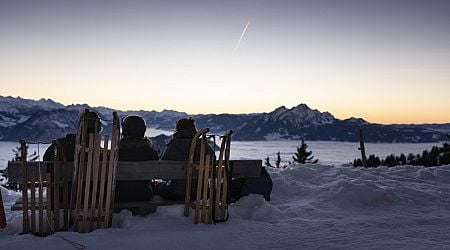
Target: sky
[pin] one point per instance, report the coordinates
(384, 61)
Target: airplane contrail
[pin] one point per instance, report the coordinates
(240, 38)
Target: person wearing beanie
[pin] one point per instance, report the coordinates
(134, 146)
(94, 126)
(178, 150)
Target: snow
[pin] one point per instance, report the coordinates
(318, 206)
(60, 124)
(11, 104)
(312, 206)
(300, 115)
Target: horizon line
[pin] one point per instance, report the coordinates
(220, 113)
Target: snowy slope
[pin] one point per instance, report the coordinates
(312, 207)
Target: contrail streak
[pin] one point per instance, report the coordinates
(240, 38)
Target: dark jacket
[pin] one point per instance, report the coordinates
(68, 143)
(135, 149)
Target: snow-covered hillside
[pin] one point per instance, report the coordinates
(312, 207)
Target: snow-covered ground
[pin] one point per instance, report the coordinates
(312, 207)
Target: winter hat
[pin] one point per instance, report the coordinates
(133, 126)
(186, 124)
(94, 125)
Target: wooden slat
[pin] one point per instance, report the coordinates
(41, 208)
(219, 178)
(33, 204)
(48, 205)
(225, 179)
(211, 191)
(201, 170)
(87, 186)
(205, 189)
(95, 166)
(24, 170)
(187, 197)
(65, 195)
(80, 174)
(144, 170)
(109, 183)
(56, 169)
(102, 181)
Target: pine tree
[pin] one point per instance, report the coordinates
(17, 157)
(267, 162)
(278, 161)
(17, 152)
(303, 156)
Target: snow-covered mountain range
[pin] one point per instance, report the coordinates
(46, 119)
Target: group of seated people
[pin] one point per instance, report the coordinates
(134, 146)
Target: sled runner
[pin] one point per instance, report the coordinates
(212, 180)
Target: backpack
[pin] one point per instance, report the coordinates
(252, 185)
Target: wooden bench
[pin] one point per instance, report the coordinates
(145, 170)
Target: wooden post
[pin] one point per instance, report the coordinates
(41, 208)
(201, 170)
(84, 228)
(23, 158)
(226, 177)
(101, 196)
(2, 213)
(48, 205)
(204, 205)
(33, 204)
(95, 167)
(362, 148)
(55, 208)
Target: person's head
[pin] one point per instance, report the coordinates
(186, 128)
(94, 125)
(133, 126)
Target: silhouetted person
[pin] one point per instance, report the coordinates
(178, 150)
(94, 125)
(134, 146)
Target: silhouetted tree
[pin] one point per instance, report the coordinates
(17, 157)
(373, 161)
(437, 156)
(302, 155)
(17, 152)
(278, 161)
(267, 162)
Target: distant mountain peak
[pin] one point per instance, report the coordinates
(302, 106)
(300, 115)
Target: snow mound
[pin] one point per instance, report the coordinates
(254, 207)
(9, 196)
(349, 187)
(312, 207)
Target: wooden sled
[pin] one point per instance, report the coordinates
(212, 180)
(93, 186)
(42, 219)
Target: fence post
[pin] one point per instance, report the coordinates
(362, 148)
